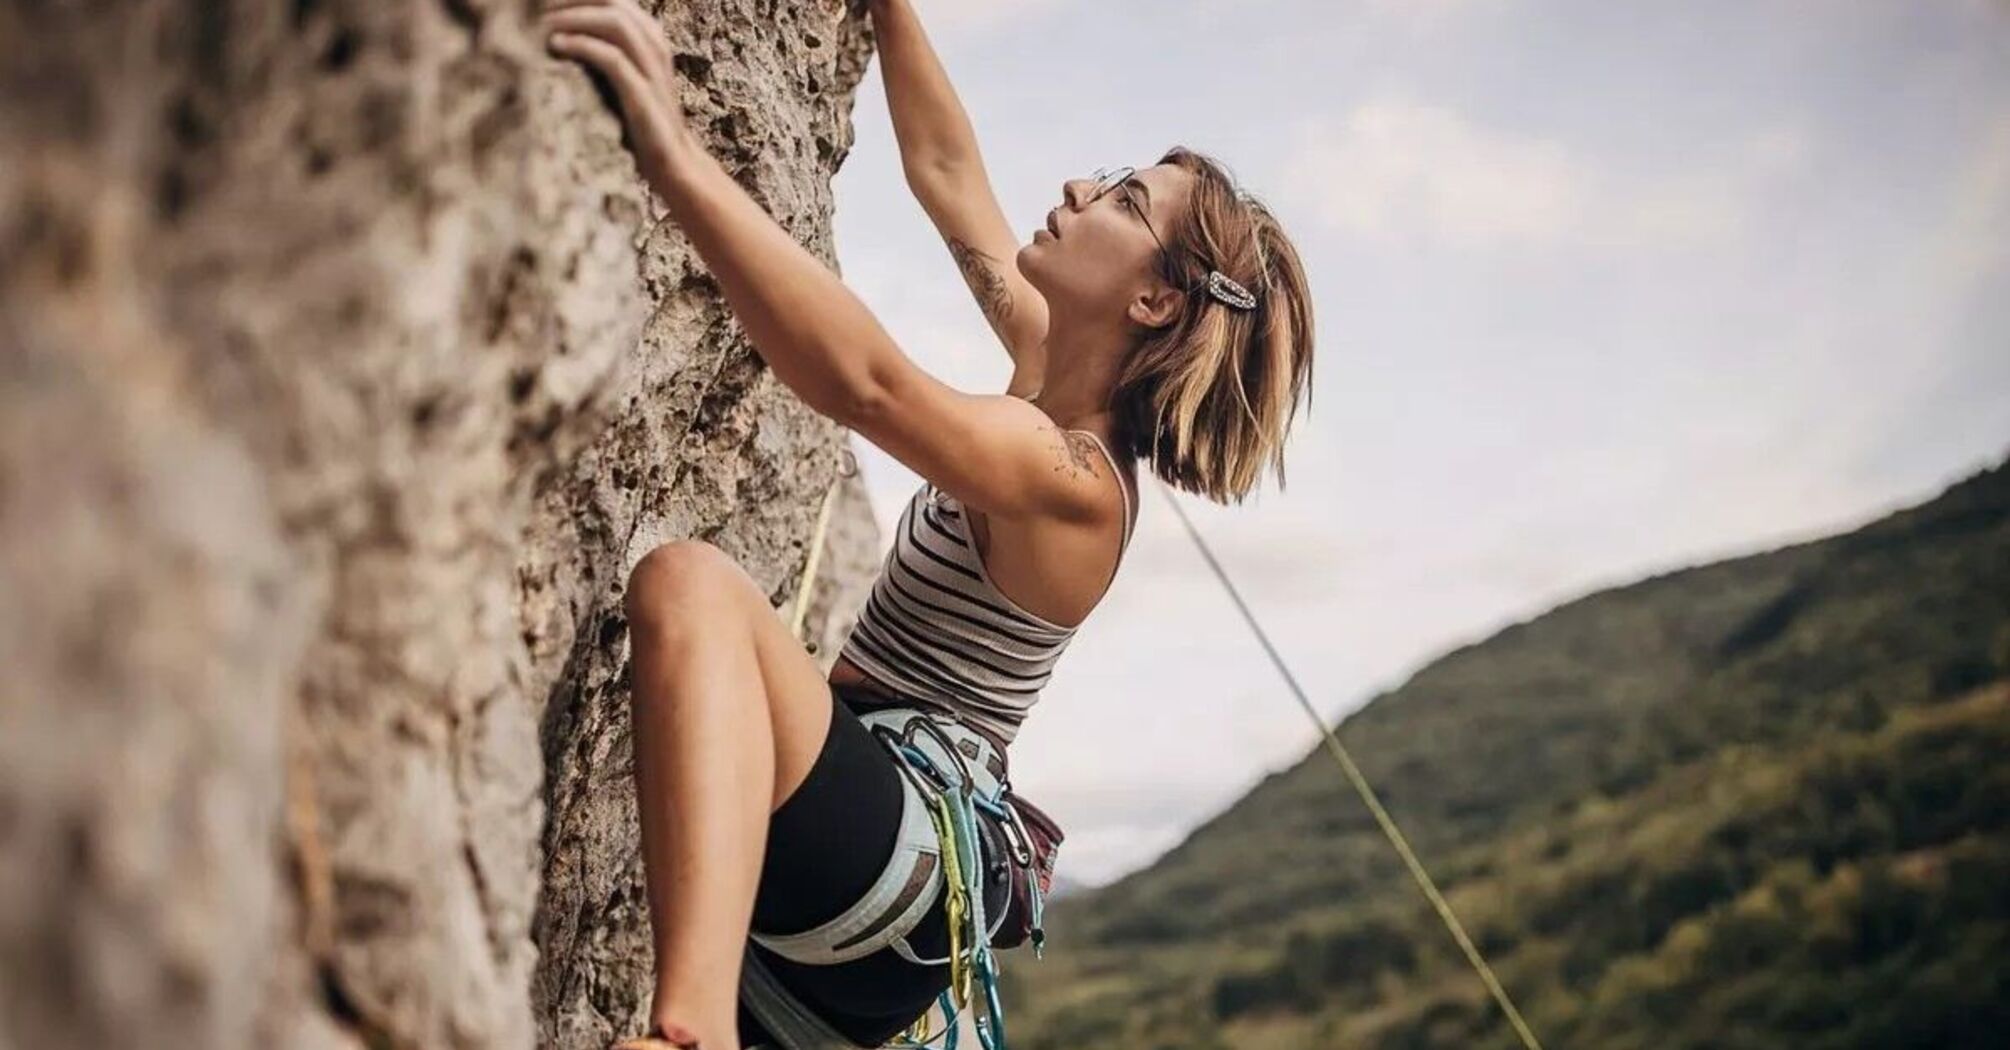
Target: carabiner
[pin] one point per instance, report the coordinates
(1015, 834)
(948, 746)
(934, 783)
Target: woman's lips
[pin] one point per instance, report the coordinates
(1052, 226)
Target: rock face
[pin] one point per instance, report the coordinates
(345, 369)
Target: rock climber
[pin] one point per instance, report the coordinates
(799, 823)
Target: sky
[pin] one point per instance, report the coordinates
(1601, 290)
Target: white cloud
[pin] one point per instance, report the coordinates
(1398, 165)
(1399, 169)
(1710, 202)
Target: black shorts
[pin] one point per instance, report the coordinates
(827, 844)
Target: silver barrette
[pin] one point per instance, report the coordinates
(1223, 288)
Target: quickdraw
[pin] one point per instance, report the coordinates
(953, 805)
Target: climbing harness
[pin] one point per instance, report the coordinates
(951, 775)
(1368, 796)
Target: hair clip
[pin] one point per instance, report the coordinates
(1223, 288)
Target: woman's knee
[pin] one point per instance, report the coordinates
(682, 584)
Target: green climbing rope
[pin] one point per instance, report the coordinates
(1361, 786)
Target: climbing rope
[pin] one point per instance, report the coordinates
(1367, 793)
(846, 469)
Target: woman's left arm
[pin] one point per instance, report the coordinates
(815, 335)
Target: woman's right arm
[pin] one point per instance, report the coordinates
(945, 170)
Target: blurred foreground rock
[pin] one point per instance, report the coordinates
(344, 371)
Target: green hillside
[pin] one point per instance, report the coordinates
(1759, 803)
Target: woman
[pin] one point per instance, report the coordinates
(1158, 315)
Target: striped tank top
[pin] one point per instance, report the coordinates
(936, 628)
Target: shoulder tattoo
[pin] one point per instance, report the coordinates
(980, 272)
(1081, 452)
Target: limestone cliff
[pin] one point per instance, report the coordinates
(345, 368)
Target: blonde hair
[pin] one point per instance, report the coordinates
(1208, 400)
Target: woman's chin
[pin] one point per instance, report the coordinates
(1031, 263)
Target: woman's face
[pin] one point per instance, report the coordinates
(1100, 258)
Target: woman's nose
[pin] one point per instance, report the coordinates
(1071, 192)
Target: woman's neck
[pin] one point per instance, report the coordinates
(1080, 375)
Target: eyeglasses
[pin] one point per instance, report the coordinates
(1108, 179)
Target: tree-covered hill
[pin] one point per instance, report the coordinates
(1759, 803)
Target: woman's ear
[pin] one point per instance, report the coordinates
(1157, 307)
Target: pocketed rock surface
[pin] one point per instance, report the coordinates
(346, 368)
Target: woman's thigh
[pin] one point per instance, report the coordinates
(692, 588)
(831, 838)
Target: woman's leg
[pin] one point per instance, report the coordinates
(729, 714)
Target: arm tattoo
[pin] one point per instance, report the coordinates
(980, 272)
